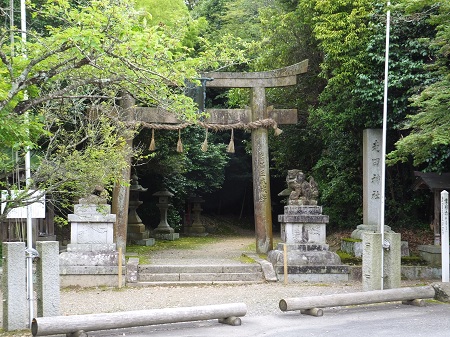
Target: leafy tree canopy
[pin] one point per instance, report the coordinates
(428, 142)
(89, 55)
(169, 12)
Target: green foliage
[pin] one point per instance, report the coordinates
(428, 142)
(288, 40)
(169, 12)
(352, 100)
(81, 55)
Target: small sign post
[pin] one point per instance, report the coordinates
(444, 236)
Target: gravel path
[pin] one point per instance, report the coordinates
(261, 299)
(226, 250)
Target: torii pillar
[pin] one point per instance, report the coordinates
(258, 82)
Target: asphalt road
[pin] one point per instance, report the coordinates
(387, 319)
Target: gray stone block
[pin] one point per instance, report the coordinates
(302, 218)
(92, 247)
(89, 270)
(47, 279)
(88, 259)
(145, 242)
(305, 209)
(371, 265)
(431, 254)
(392, 261)
(15, 306)
(304, 258)
(167, 236)
(132, 270)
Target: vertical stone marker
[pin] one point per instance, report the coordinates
(381, 267)
(372, 142)
(15, 307)
(47, 279)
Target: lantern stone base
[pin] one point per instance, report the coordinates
(196, 231)
(167, 236)
(165, 233)
(145, 242)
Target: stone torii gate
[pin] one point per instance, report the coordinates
(259, 111)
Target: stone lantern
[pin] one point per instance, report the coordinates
(164, 231)
(136, 232)
(196, 228)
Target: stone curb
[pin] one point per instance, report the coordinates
(267, 267)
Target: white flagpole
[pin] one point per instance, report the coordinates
(383, 151)
(29, 257)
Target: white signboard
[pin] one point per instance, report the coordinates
(37, 207)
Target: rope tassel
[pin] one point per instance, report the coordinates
(179, 144)
(152, 146)
(230, 148)
(277, 131)
(205, 143)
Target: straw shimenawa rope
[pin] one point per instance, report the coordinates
(263, 123)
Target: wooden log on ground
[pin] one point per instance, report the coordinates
(367, 297)
(43, 326)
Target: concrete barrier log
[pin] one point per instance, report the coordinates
(367, 297)
(43, 326)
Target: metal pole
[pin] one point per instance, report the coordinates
(444, 237)
(30, 291)
(383, 145)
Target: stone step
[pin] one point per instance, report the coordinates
(238, 268)
(190, 277)
(188, 283)
(151, 275)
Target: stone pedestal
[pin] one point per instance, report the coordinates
(164, 231)
(303, 232)
(91, 249)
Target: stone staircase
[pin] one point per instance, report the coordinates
(166, 275)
